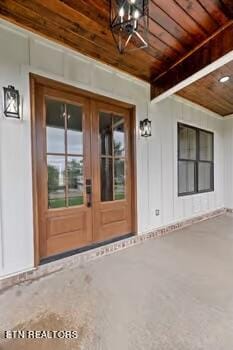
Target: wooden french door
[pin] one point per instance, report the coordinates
(83, 162)
(111, 169)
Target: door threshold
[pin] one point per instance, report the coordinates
(84, 249)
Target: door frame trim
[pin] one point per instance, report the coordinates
(34, 80)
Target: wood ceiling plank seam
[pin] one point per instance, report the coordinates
(204, 8)
(217, 108)
(155, 55)
(219, 31)
(168, 47)
(216, 13)
(158, 55)
(191, 19)
(209, 92)
(84, 5)
(201, 99)
(117, 64)
(227, 99)
(194, 20)
(165, 42)
(187, 39)
(201, 34)
(100, 42)
(217, 45)
(177, 45)
(103, 21)
(212, 24)
(76, 7)
(157, 37)
(6, 14)
(94, 41)
(166, 56)
(64, 27)
(97, 16)
(212, 82)
(192, 92)
(42, 6)
(153, 52)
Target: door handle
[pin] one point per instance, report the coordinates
(89, 192)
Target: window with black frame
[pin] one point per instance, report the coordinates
(195, 160)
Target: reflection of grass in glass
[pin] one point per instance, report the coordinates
(75, 201)
(119, 195)
(57, 203)
(60, 202)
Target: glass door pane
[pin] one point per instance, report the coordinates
(56, 181)
(119, 136)
(75, 180)
(65, 161)
(74, 130)
(119, 179)
(105, 129)
(112, 150)
(106, 180)
(55, 126)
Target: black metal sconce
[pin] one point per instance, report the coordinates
(145, 128)
(11, 102)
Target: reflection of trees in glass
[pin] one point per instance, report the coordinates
(119, 179)
(118, 147)
(53, 178)
(75, 171)
(119, 171)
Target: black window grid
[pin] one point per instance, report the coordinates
(196, 161)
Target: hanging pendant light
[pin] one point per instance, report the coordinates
(129, 22)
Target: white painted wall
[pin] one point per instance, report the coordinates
(23, 52)
(162, 150)
(228, 151)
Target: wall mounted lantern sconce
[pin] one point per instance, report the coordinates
(11, 102)
(145, 128)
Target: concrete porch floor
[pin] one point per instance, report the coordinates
(172, 293)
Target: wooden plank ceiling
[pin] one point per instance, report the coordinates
(177, 27)
(210, 93)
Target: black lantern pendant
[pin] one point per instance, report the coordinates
(129, 21)
(145, 128)
(11, 102)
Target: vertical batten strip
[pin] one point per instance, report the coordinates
(2, 260)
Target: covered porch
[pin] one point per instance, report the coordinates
(116, 174)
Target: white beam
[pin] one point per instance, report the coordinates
(202, 73)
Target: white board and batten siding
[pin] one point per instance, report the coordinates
(228, 160)
(23, 52)
(163, 165)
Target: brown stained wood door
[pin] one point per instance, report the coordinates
(83, 178)
(111, 168)
(63, 163)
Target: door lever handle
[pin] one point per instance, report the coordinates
(89, 192)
